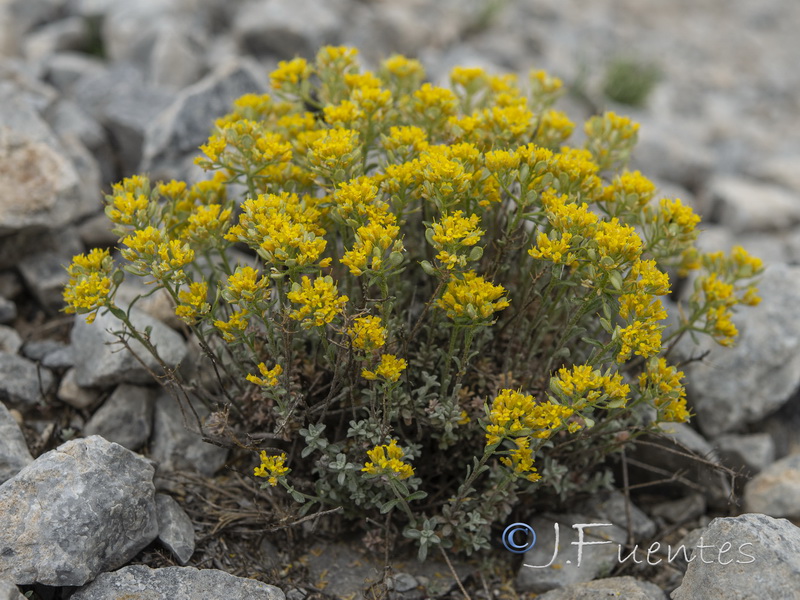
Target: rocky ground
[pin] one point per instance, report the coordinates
(94, 90)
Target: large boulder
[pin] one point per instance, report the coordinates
(79, 510)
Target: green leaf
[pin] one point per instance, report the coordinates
(388, 506)
(418, 495)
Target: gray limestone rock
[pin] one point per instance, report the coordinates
(750, 556)
(10, 342)
(602, 589)
(23, 382)
(82, 509)
(753, 452)
(681, 452)
(14, 453)
(46, 275)
(39, 349)
(71, 33)
(41, 187)
(673, 153)
(742, 205)
(8, 310)
(8, 591)
(175, 583)
(610, 507)
(175, 529)
(64, 69)
(561, 557)
(101, 361)
(681, 510)
(71, 393)
(776, 490)
(177, 58)
(735, 386)
(173, 138)
(174, 446)
(125, 418)
(287, 29)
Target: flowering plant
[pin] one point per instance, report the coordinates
(423, 293)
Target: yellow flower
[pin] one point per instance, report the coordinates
(649, 278)
(663, 383)
(372, 242)
(269, 377)
(746, 264)
(514, 414)
(289, 74)
(554, 129)
(207, 223)
(520, 460)
(631, 191)
(472, 298)
(452, 235)
(345, 114)
(245, 286)
(128, 209)
(501, 160)
(283, 229)
(336, 149)
(193, 302)
(556, 251)
(617, 243)
(234, 326)
(214, 147)
(467, 76)
(89, 283)
(403, 68)
(389, 369)
(319, 301)
(387, 459)
(584, 386)
(272, 467)
(367, 333)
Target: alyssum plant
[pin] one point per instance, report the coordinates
(436, 296)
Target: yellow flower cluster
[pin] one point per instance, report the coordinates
(556, 251)
(269, 377)
(272, 467)
(150, 251)
(387, 459)
(585, 386)
(193, 302)
(452, 235)
(514, 414)
(320, 302)
(89, 283)
(376, 245)
(642, 336)
(236, 324)
(389, 369)
(283, 229)
(472, 299)
(663, 382)
(367, 333)
(245, 287)
(520, 459)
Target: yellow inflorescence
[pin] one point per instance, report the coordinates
(89, 283)
(472, 298)
(319, 301)
(269, 377)
(387, 459)
(271, 467)
(367, 333)
(389, 369)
